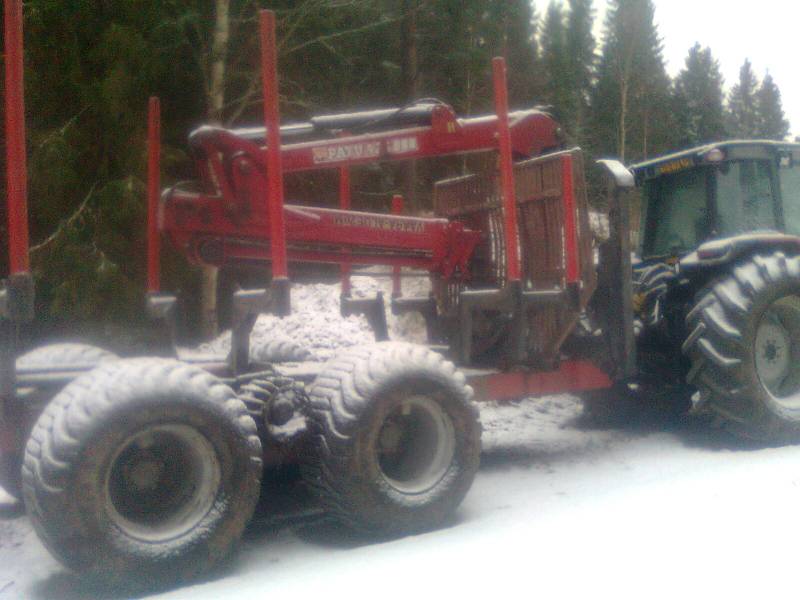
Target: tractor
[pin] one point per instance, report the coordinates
(717, 281)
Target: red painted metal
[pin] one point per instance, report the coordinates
(16, 164)
(397, 209)
(344, 204)
(573, 273)
(153, 191)
(571, 376)
(506, 170)
(320, 234)
(269, 76)
(532, 133)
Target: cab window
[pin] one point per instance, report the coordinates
(745, 199)
(790, 194)
(676, 215)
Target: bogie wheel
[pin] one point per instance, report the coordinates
(33, 399)
(395, 438)
(744, 345)
(65, 354)
(142, 470)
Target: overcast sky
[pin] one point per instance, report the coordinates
(766, 32)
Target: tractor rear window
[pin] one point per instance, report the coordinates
(676, 216)
(745, 201)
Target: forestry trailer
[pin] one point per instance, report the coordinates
(150, 468)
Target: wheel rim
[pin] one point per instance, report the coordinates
(777, 350)
(416, 445)
(162, 482)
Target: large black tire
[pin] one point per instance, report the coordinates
(650, 284)
(749, 381)
(395, 438)
(143, 470)
(278, 350)
(62, 355)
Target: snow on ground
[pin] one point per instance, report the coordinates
(557, 511)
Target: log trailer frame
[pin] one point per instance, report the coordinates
(119, 459)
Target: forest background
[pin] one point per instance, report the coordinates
(92, 64)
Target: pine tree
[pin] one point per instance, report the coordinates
(631, 111)
(742, 111)
(699, 99)
(771, 121)
(581, 61)
(513, 25)
(556, 64)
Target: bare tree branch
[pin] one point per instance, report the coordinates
(67, 223)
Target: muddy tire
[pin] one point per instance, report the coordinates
(651, 283)
(142, 470)
(744, 346)
(34, 399)
(278, 350)
(64, 354)
(395, 438)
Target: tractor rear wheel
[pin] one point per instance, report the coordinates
(395, 438)
(744, 346)
(142, 470)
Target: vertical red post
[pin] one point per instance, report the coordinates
(269, 79)
(506, 170)
(153, 192)
(16, 163)
(344, 204)
(570, 220)
(397, 209)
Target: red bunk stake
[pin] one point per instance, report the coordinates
(277, 228)
(16, 167)
(397, 209)
(506, 169)
(570, 220)
(153, 188)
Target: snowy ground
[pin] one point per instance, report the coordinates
(559, 509)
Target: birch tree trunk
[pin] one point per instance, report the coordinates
(216, 103)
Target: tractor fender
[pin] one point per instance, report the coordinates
(721, 252)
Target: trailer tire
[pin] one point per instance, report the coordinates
(64, 354)
(744, 347)
(142, 470)
(278, 350)
(395, 438)
(34, 399)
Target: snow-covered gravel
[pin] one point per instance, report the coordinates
(317, 324)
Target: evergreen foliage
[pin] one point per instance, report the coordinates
(555, 63)
(743, 112)
(772, 123)
(699, 100)
(90, 67)
(581, 62)
(631, 101)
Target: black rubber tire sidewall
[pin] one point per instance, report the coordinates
(65, 496)
(747, 373)
(381, 506)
